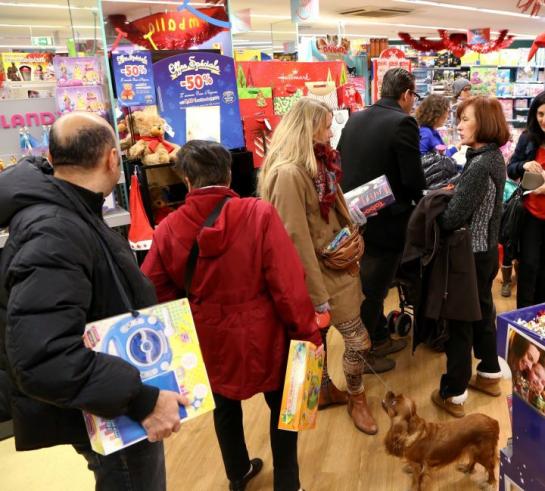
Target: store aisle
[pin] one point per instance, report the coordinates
(335, 456)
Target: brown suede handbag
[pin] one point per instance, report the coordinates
(348, 254)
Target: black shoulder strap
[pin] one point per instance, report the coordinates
(194, 253)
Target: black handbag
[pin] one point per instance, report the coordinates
(511, 222)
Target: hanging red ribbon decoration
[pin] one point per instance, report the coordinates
(457, 43)
(422, 44)
(531, 7)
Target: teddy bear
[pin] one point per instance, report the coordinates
(127, 93)
(159, 203)
(151, 147)
(125, 138)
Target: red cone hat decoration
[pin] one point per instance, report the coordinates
(140, 231)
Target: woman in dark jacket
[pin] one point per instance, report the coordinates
(248, 297)
(477, 204)
(529, 156)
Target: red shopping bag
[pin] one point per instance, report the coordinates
(350, 98)
(140, 231)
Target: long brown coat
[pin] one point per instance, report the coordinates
(291, 190)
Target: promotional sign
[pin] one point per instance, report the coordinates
(389, 58)
(197, 96)
(185, 28)
(27, 67)
(478, 36)
(293, 73)
(304, 10)
(331, 47)
(133, 74)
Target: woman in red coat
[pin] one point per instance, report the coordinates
(248, 297)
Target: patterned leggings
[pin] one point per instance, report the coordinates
(356, 345)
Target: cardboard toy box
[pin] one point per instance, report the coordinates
(515, 340)
(301, 387)
(371, 196)
(162, 343)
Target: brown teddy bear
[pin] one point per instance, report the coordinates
(159, 204)
(125, 138)
(152, 148)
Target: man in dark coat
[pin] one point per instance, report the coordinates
(384, 140)
(55, 271)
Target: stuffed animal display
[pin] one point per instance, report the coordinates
(152, 148)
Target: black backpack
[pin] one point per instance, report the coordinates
(511, 222)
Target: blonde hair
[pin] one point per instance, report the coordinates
(293, 140)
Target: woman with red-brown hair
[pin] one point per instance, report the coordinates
(477, 204)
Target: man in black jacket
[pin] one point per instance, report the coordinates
(384, 139)
(56, 274)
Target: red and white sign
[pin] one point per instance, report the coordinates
(389, 58)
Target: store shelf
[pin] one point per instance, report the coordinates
(515, 96)
(115, 218)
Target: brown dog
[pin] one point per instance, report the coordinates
(426, 445)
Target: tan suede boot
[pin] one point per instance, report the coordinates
(456, 410)
(361, 414)
(329, 395)
(490, 386)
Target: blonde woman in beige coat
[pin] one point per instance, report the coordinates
(300, 177)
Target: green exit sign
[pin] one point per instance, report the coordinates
(42, 41)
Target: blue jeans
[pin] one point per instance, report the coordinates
(140, 467)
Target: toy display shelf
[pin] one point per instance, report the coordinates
(522, 461)
(512, 319)
(114, 218)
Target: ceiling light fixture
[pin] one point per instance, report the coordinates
(270, 16)
(28, 46)
(43, 6)
(44, 26)
(165, 2)
(467, 7)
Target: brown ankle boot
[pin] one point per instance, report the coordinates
(361, 414)
(329, 395)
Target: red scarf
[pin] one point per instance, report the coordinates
(328, 177)
(153, 143)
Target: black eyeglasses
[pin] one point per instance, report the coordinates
(417, 96)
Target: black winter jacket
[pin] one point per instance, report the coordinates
(54, 270)
(478, 197)
(525, 151)
(383, 139)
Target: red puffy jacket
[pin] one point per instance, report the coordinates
(248, 294)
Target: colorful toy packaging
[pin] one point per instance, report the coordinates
(71, 72)
(301, 387)
(162, 343)
(371, 196)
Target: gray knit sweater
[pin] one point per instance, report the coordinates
(477, 201)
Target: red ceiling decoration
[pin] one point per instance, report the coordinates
(531, 7)
(457, 43)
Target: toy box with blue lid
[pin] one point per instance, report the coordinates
(162, 343)
(521, 342)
